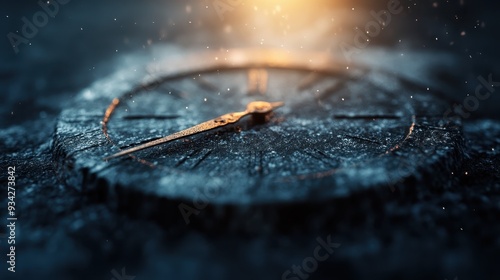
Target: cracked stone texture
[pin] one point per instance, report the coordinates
(451, 231)
(264, 203)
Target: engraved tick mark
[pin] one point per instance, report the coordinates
(194, 159)
(202, 158)
(154, 117)
(330, 91)
(206, 85)
(173, 92)
(309, 80)
(321, 156)
(183, 159)
(364, 139)
(367, 117)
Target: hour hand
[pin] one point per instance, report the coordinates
(258, 108)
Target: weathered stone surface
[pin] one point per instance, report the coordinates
(387, 137)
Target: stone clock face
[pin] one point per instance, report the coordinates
(341, 130)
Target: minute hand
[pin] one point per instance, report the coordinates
(257, 107)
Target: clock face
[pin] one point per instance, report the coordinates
(341, 130)
(314, 131)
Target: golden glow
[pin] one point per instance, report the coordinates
(278, 6)
(284, 24)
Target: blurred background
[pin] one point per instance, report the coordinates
(85, 40)
(445, 43)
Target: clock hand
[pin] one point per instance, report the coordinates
(253, 108)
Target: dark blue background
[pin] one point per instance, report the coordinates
(64, 236)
